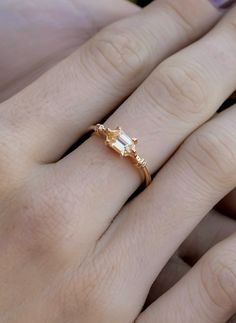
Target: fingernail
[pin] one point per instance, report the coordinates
(222, 4)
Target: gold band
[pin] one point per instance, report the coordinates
(125, 146)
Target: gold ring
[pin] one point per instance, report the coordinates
(125, 146)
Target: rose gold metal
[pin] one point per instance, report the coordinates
(125, 146)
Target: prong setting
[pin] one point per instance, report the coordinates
(125, 146)
(119, 141)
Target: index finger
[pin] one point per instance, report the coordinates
(35, 37)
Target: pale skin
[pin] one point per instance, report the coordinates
(72, 251)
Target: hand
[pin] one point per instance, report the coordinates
(37, 34)
(71, 250)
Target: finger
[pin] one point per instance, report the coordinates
(85, 87)
(206, 294)
(178, 97)
(174, 270)
(214, 228)
(151, 227)
(34, 40)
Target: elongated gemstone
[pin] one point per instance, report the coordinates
(122, 141)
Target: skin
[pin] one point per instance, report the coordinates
(36, 35)
(67, 256)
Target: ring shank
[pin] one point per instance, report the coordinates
(147, 176)
(143, 170)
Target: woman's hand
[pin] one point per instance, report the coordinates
(71, 250)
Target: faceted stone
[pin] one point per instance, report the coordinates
(122, 141)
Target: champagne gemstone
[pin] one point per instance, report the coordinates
(122, 142)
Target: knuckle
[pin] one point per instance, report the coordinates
(214, 153)
(181, 19)
(119, 51)
(180, 90)
(218, 277)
